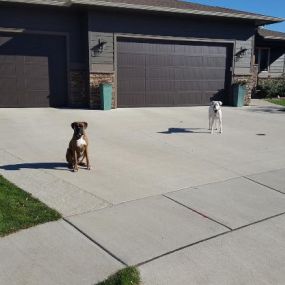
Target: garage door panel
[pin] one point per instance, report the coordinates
(215, 74)
(43, 60)
(160, 98)
(40, 84)
(37, 65)
(132, 99)
(8, 58)
(8, 69)
(218, 95)
(8, 85)
(214, 61)
(188, 98)
(32, 70)
(131, 60)
(160, 86)
(160, 60)
(159, 73)
(154, 48)
(134, 85)
(214, 50)
(188, 85)
(175, 73)
(193, 61)
(208, 96)
(214, 85)
(196, 73)
(185, 49)
(131, 73)
(127, 47)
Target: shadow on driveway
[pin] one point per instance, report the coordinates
(36, 165)
(185, 130)
(267, 109)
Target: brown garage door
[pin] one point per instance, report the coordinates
(32, 71)
(171, 74)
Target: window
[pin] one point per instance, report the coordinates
(262, 58)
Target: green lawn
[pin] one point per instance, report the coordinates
(19, 210)
(126, 276)
(277, 101)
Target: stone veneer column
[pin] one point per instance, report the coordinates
(78, 89)
(95, 80)
(250, 85)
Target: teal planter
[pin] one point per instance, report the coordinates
(106, 96)
(239, 92)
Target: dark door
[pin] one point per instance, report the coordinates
(32, 71)
(170, 73)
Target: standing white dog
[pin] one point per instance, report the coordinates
(215, 116)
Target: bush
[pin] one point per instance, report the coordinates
(270, 88)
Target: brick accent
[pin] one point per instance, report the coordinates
(95, 80)
(250, 85)
(78, 89)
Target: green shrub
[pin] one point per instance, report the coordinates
(270, 88)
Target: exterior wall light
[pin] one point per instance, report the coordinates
(239, 54)
(99, 48)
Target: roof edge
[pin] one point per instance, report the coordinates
(271, 34)
(60, 3)
(266, 19)
(263, 20)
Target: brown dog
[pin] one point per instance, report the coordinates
(78, 147)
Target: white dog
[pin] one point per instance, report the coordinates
(215, 115)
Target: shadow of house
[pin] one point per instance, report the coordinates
(267, 109)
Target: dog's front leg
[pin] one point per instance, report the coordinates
(75, 167)
(87, 159)
(212, 125)
(221, 125)
(209, 122)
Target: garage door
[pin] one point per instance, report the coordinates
(32, 71)
(170, 73)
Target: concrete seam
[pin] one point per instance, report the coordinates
(95, 242)
(271, 188)
(206, 239)
(197, 212)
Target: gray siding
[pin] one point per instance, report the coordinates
(277, 57)
(243, 64)
(50, 19)
(104, 60)
(105, 25)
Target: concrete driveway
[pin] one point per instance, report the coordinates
(186, 206)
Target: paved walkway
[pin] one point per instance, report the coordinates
(185, 206)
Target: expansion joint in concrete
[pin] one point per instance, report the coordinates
(96, 243)
(271, 188)
(201, 214)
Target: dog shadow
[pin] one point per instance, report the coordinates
(36, 165)
(185, 131)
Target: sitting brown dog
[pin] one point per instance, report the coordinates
(78, 147)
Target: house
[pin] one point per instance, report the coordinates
(270, 53)
(153, 52)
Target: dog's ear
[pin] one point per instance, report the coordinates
(85, 125)
(73, 125)
(221, 103)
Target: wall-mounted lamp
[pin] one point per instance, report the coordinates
(242, 51)
(99, 48)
